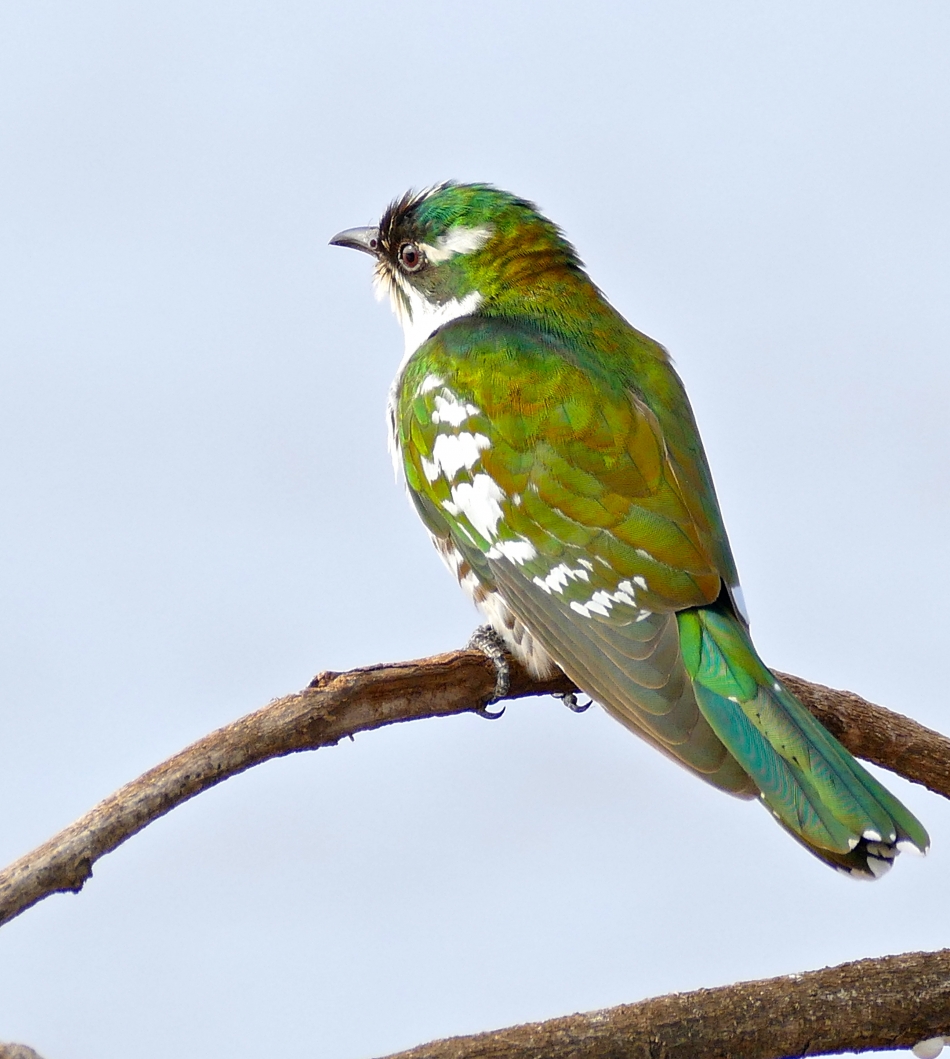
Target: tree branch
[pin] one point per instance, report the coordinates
(17, 1051)
(890, 1002)
(336, 705)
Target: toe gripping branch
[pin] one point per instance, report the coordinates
(486, 640)
(569, 699)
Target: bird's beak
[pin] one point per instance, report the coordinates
(365, 239)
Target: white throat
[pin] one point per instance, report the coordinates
(419, 317)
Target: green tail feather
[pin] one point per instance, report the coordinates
(812, 785)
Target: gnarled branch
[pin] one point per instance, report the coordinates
(890, 1002)
(336, 705)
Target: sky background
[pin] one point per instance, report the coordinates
(198, 513)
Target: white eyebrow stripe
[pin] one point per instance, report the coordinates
(458, 240)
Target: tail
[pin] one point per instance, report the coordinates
(812, 785)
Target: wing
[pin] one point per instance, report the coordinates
(552, 484)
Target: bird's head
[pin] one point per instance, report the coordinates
(456, 249)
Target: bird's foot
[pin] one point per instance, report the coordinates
(486, 640)
(569, 699)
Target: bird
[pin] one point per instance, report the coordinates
(553, 456)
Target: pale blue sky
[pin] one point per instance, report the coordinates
(198, 511)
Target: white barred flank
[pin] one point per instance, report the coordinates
(518, 638)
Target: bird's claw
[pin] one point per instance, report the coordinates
(483, 711)
(569, 699)
(486, 640)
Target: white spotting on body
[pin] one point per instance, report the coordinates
(478, 501)
(457, 240)
(871, 835)
(452, 452)
(428, 384)
(418, 318)
(449, 409)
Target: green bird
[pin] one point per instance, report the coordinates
(551, 451)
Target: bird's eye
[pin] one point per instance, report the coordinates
(410, 257)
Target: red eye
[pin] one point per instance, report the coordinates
(410, 257)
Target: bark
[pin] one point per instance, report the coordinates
(17, 1051)
(891, 1002)
(337, 705)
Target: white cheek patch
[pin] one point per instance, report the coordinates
(458, 240)
(452, 452)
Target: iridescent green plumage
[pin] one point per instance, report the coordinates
(550, 449)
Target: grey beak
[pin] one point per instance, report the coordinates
(365, 239)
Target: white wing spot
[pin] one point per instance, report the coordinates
(558, 577)
(591, 605)
(518, 552)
